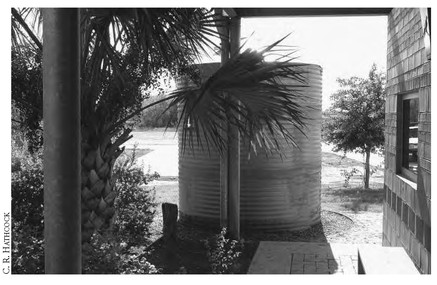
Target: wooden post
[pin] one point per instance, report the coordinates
(170, 218)
(61, 114)
(169, 231)
(234, 149)
(230, 163)
(225, 50)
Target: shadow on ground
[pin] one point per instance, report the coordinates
(184, 257)
(190, 251)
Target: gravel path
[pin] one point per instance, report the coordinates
(337, 225)
(349, 228)
(367, 228)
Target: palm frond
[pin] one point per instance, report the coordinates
(166, 37)
(168, 30)
(22, 33)
(261, 99)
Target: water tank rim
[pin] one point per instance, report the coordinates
(218, 63)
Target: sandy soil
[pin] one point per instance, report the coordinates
(367, 227)
(163, 158)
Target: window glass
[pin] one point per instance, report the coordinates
(410, 134)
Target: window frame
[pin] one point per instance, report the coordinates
(401, 170)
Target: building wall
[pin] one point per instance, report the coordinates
(407, 206)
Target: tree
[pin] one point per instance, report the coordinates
(123, 50)
(27, 95)
(355, 120)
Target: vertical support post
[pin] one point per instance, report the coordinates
(61, 114)
(234, 148)
(225, 51)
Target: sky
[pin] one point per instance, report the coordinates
(342, 46)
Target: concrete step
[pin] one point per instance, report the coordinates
(373, 259)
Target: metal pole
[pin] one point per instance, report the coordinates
(234, 148)
(62, 195)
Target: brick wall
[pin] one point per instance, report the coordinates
(407, 206)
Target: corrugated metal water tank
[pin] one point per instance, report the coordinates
(276, 194)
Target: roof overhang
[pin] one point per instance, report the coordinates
(302, 12)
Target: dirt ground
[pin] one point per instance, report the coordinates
(363, 207)
(349, 213)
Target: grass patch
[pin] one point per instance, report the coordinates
(339, 161)
(374, 196)
(354, 199)
(150, 129)
(357, 206)
(335, 165)
(138, 152)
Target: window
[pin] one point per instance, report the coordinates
(409, 136)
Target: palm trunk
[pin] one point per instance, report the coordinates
(98, 181)
(367, 170)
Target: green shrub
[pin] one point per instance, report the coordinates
(135, 205)
(27, 209)
(27, 250)
(354, 171)
(348, 175)
(106, 254)
(134, 262)
(21, 158)
(118, 250)
(224, 254)
(155, 117)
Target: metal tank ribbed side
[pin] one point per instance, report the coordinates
(276, 193)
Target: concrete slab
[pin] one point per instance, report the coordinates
(384, 260)
(304, 258)
(270, 260)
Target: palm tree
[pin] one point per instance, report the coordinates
(124, 49)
